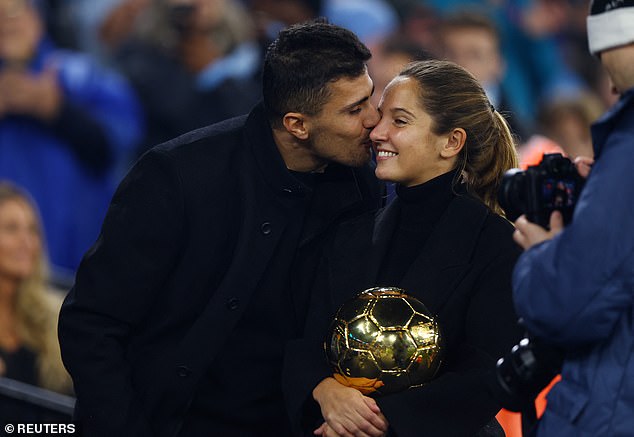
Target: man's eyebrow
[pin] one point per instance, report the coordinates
(358, 102)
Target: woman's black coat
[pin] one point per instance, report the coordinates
(462, 274)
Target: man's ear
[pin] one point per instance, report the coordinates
(455, 142)
(295, 124)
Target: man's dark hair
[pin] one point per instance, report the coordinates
(301, 62)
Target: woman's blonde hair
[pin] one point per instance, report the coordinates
(37, 309)
(455, 99)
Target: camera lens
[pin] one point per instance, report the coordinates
(525, 371)
(511, 193)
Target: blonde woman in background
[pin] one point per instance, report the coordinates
(29, 351)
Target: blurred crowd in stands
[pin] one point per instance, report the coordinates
(87, 86)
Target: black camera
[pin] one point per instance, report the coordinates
(524, 372)
(553, 184)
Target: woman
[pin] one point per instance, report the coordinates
(444, 240)
(29, 351)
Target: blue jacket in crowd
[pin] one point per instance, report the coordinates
(577, 291)
(71, 166)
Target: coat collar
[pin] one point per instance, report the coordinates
(448, 251)
(268, 158)
(460, 222)
(361, 249)
(337, 192)
(602, 128)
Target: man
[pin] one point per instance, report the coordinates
(574, 287)
(67, 125)
(472, 39)
(177, 322)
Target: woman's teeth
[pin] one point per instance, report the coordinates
(386, 154)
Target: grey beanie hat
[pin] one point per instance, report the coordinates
(610, 24)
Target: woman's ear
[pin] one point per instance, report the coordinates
(455, 142)
(295, 124)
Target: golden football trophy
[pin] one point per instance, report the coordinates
(383, 341)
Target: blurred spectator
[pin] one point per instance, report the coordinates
(471, 39)
(532, 151)
(115, 22)
(371, 20)
(66, 127)
(389, 58)
(29, 351)
(193, 63)
(564, 127)
(419, 22)
(85, 24)
(567, 121)
(51, 13)
(568, 24)
(535, 68)
(271, 16)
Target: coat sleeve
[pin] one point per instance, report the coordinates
(118, 280)
(458, 401)
(572, 289)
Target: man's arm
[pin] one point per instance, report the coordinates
(567, 289)
(118, 279)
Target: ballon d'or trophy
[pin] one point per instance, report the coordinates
(383, 341)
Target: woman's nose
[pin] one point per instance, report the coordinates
(378, 133)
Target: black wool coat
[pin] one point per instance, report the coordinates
(189, 233)
(462, 274)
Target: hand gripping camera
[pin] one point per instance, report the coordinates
(553, 184)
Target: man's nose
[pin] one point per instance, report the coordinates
(373, 118)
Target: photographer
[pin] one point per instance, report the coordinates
(574, 287)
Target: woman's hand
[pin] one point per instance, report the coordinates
(325, 431)
(347, 412)
(365, 385)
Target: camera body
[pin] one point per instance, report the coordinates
(553, 184)
(524, 372)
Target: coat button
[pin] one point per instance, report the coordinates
(183, 371)
(266, 228)
(233, 304)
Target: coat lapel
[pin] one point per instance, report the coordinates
(336, 194)
(446, 256)
(359, 248)
(383, 231)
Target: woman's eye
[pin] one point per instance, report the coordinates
(399, 122)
